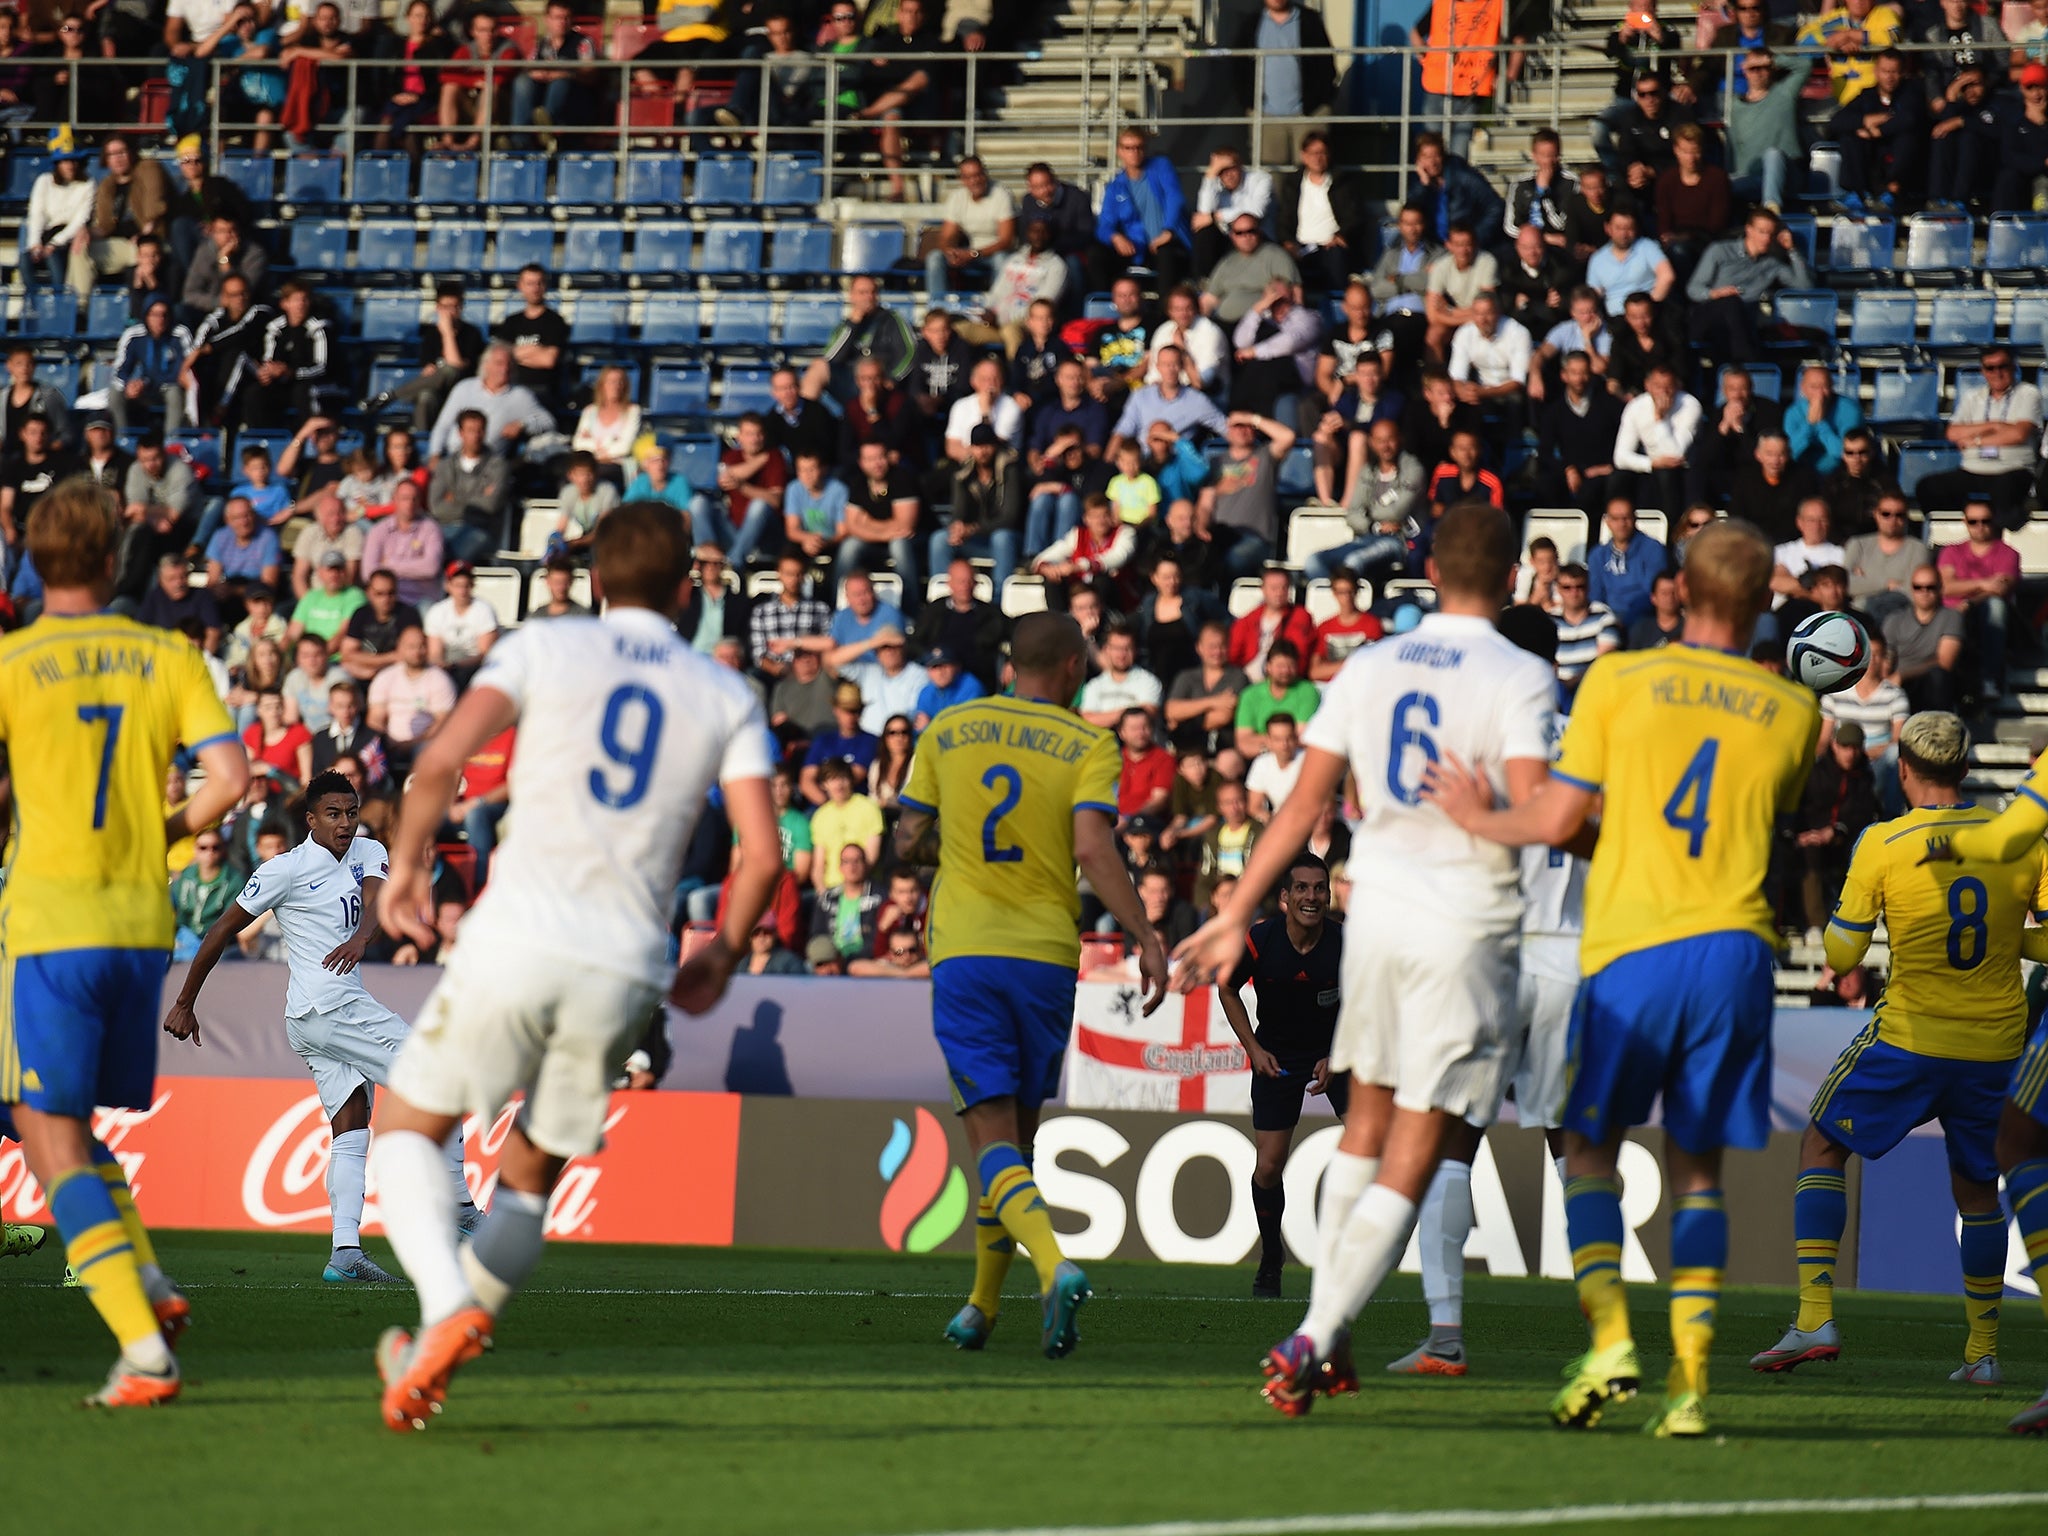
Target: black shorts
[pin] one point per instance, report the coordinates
(1276, 1101)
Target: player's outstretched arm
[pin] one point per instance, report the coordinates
(1541, 808)
(227, 776)
(1096, 852)
(1213, 949)
(404, 905)
(751, 809)
(181, 1023)
(348, 954)
(2006, 836)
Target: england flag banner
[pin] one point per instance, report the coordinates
(1183, 1058)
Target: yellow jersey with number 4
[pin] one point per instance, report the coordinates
(92, 710)
(1004, 778)
(1954, 985)
(1697, 753)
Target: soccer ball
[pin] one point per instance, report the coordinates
(1828, 652)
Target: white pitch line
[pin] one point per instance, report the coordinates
(637, 1290)
(1524, 1519)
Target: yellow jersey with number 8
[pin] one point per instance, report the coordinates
(1697, 753)
(1004, 778)
(92, 710)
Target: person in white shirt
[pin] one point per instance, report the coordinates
(1426, 1024)
(1274, 772)
(59, 209)
(324, 895)
(1229, 190)
(889, 683)
(1121, 684)
(1654, 443)
(461, 628)
(979, 221)
(1203, 344)
(1489, 367)
(1025, 276)
(1809, 552)
(624, 729)
(984, 402)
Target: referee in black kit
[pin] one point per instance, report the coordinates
(1293, 962)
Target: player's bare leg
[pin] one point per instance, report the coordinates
(2023, 1155)
(998, 1132)
(1442, 1228)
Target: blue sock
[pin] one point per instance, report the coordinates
(1983, 1253)
(2026, 1191)
(1820, 1214)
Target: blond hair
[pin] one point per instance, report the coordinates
(1728, 567)
(1936, 746)
(72, 534)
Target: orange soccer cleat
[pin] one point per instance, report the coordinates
(173, 1316)
(416, 1371)
(129, 1388)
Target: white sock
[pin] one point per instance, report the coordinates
(455, 1167)
(419, 1217)
(1374, 1237)
(1445, 1223)
(1344, 1180)
(497, 1260)
(150, 1354)
(348, 1163)
(1557, 1162)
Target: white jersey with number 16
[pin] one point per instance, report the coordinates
(623, 732)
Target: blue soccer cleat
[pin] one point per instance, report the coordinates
(352, 1264)
(970, 1328)
(1062, 1302)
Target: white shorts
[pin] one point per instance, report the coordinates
(501, 1023)
(347, 1047)
(1543, 1008)
(1428, 1012)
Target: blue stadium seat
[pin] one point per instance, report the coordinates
(1940, 246)
(254, 174)
(1919, 460)
(1100, 306)
(1765, 382)
(739, 321)
(60, 373)
(696, 458)
(276, 439)
(455, 245)
(1882, 320)
(801, 249)
(731, 247)
(1805, 235)
(312, 179)
(1963, 321)
(339, 305)
(387, 245)
(383, 176)
(197, 447)
(22, 171)
(794, 178)
(670, 320)
(599, 319)
(746, 389)
(1297, 478)
(724, 181)
(1962, 382)
(1905, 395)
(662, 247)
(586, 179)
(521, 242)
(809, 319)
(390, 316)
(1823, 173)
(654, 179)
(386, 374)
(595, 247)
(448, 178)
(520, 177)
(106, 312)
(2016, 247)
(680, 389)
(1862, 245)
(870, 248)
(320, 245)
(2029, 328)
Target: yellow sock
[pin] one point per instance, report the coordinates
(994, 1251)
(1013, 1196)
(1604, 1300)
(97, 1246)
(1695, 1301)
(1592, 1213)
(116, 1181)
(1820, 1214)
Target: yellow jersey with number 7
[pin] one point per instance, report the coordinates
(92, 710)
(1696, 753)
(1004, 778)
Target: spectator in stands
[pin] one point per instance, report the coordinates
(1622, 571)
(1664, 622)
(1980, 578)
(1201, 706)
(1965, 139)
(889, 682)
(566, 97)
(1293, 84)
(325, 608)
(1168, 400)
(297, 376)
(60, 88)
(467, 493)
(1170, 619)
(415, 95)
(1097, 554)
(1064, 207)
(449, 349)
(1031, 274)
(1576, 432)
(1996, 425)
(1204, 345)
(1852, 34)
(408, 545)
(148, 360)
(1585, 630)
(790, 619)
(1400, 283)
(1734, 279)
(173, 600)
(101, 460)
(987, 515)
(1638, 346)
(882, 508)
(978, 222)
(962, 623)
(1439, 415)
(1239, 513)
(1797, 559)
(1039, 352)
(984, 401)
(25, 395)
(155, 275)
(1324, 218)
(1229, 188)
(1763, 127)
(1464, 477)
(1281, 691)
(1121, 684)
(1693, 200)
(224, 253)
(1881, 564)
(793, 423)
(27, 472)
(1227, 845)
(59, 213)
(225, 352)
(1627, 265)
(1270, 778)
(1533, 287)
(1877, 706)
(1654, 441)
(409, 698)
(558, 576)
(880, 412)
(1769, 491)
(1926, 644)
(847, 899)
(1246, 272)
(1386, 506)
(717, 610)
(131, 200)
(869, 332)
(897, 89)
(1121, 350)
(794, 79)
(1344, 632)
(609, 427)
(1456, 279)
(469, 96)
(1748, 26)
(1278, 617)
(243, 550)
(1727, 442)
(511, 412)
(1883, 135)
(1539, 201)
(1641, 46)
(949, 683)
(814, 510)
(1343, 429)
(1274, 358)
(1449, 192)
(1585, 213)
(1839, 803)
(800, 708)
(1489, 365)
(277, 746)
(1817, 425)
(939, 367)
(2022, 154)
(583, 500)
(1645, 135)
(1143, 219)
(537, 335)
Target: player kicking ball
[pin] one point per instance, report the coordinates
(1697, 751)
(324, 893)
(1006, 796)
(1294, 964)
(624, 729)
(1426, 1019)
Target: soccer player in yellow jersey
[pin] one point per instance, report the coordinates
(1697, 752)
(1941, 1046)
(92, 707)
(1005, 796)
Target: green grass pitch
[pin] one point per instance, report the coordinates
(747, 1391)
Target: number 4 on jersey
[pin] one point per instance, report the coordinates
(1686, 810)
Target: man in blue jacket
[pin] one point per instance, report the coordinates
(1448, 191)
(147, 361)
(1144, 219)
(1622, 571)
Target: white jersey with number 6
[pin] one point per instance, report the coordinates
(1452, 685)
(318, 900)
(623, 732)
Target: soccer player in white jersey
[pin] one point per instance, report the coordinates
(1554, 896)
(1427, 1018)
(324, 893)
(624, 731)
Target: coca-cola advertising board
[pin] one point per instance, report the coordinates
(251, 1154)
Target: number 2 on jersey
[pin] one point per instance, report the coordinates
(1968, 932)
(1695, 789)
(110, 716)
(631, 738)
(1012, 781)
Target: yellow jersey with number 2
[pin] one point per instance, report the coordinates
(1696, 753)
(1004, 778)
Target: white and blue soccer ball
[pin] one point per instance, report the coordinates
(1828, 652)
